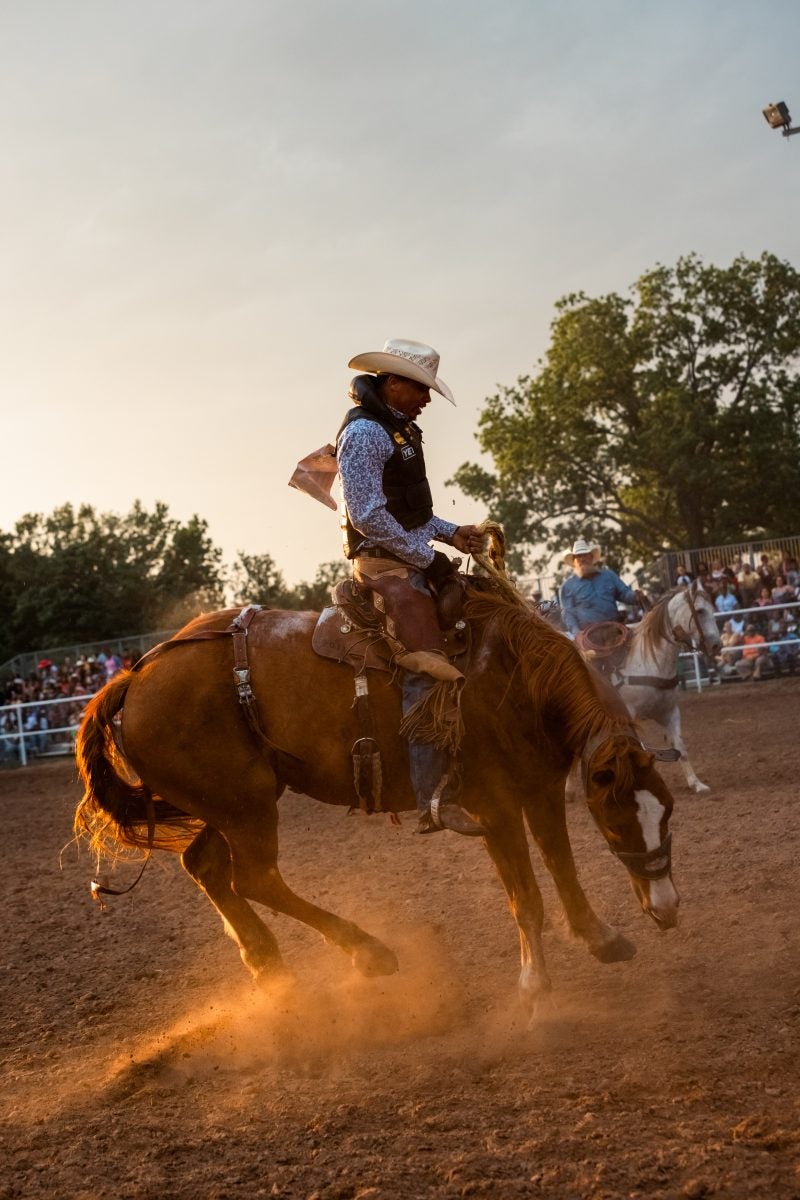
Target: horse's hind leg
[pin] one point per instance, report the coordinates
(547, 820)
(254, 855)
(208, 861)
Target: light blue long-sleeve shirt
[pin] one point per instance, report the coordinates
(594, 598)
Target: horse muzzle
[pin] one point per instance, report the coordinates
(659, 899)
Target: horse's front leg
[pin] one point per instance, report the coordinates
(547, 820)
(671, 721)
(508, 848)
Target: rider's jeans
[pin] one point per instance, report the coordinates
(428, 764)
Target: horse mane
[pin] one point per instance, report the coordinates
(654, 626)
(554, 674)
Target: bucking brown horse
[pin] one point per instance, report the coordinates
(208, 787)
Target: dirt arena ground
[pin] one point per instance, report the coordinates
(139, 1061)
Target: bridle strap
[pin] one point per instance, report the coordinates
(648, 864)
(644, 864)
(682, 634)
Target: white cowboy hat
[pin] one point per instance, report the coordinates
(581, 546)
(412, 360)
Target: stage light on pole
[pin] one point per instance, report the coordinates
(777, 117)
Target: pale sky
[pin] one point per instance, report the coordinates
(208, 206)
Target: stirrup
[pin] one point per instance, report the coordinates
(448, 816)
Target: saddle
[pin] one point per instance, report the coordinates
(352, 631)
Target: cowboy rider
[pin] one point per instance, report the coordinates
(591, 593)
(388, 524)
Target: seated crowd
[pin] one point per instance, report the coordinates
(69, 681)
(755, 643)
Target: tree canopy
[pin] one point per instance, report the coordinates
(665, 420)
(78, 575)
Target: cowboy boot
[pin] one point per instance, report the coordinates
(430, 771)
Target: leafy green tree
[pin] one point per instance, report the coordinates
(667, 420)
(316, 595)
(80, 575)
(256, 580)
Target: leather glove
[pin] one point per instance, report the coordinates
(440, 570)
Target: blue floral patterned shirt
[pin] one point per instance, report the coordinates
(363, 449)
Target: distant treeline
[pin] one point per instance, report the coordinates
(79, 575)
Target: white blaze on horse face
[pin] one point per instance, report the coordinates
(651, 810)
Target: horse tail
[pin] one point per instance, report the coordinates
(116, 812)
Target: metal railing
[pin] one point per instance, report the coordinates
(665, 567)
(19, 744)
(699, 681)
(26, 664)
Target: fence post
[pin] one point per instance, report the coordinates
(698, 679)
(23, 754)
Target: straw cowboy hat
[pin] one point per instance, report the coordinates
(581, 546)
(412, 360)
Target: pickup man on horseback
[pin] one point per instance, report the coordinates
(591, 593)
(388, 524)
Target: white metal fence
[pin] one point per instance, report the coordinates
(700, 679)
(22, 739)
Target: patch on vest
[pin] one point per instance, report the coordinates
(408, 452)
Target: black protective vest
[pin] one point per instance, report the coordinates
(405, 484)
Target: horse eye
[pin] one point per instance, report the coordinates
(603, 778)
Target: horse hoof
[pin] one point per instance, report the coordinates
(540, 1009)
(617, 949)
(700, 789)
(275, 982)
(373, 958)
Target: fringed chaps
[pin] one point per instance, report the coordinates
(436, 718)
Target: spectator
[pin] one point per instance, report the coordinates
(766, 572)
(113, 663)
(728, 658)
(737, 624)
(791, 571)
(726, 599)
(682, 577)
(782, 593)
(749, 582)
(755, 656)
(717, 571)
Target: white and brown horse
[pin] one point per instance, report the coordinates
(682, 620)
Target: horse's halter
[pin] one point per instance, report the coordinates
(642, 864)
(684, 637)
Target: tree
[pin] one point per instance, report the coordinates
(666, 421)
(256, 580)
(79, 575)
(317, 594)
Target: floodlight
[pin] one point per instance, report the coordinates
(777, 117)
